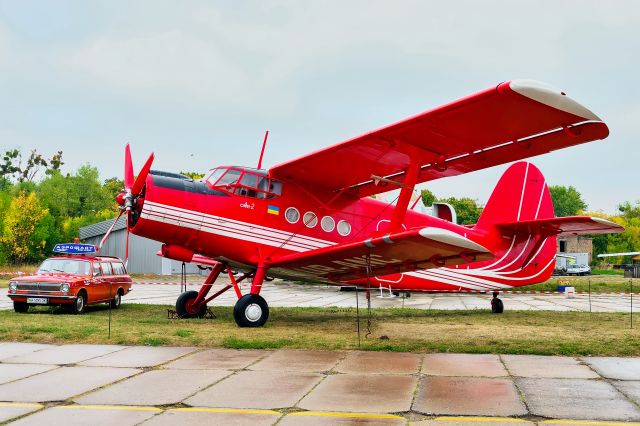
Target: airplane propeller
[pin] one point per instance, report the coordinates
(127, 199)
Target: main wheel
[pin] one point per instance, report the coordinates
(251, 310)
(20, 307)
(79, 305)
(185, 307)
(497, 307)
(116, 301)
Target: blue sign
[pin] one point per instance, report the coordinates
(75, 248)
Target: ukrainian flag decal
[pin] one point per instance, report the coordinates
(273, 210)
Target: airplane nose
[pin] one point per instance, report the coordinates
(120, 198)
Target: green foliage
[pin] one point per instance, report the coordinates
(193, 175)
(35, 215)
(567, 201)
(25, 229)
(428, 197)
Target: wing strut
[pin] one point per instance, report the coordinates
(410, 180)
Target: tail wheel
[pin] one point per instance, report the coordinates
(186, 308)
(251, 310)
(116, 301)
(20, 307)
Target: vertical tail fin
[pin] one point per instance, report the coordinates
(522, 258)
(521, 194)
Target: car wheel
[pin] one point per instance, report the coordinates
(116, 301)
(20, 307)
(185, 307)
(251, 310)
(78, 307)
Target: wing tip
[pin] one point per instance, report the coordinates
(551, 96)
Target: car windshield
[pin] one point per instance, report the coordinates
(65, 266)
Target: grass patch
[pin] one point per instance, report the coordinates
(599, 284)
(413, 330)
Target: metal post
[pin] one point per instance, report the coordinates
(110, 285)
(631, 304)
(589, 295)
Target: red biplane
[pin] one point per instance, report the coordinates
(313, 219)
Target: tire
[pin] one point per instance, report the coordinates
(79, 306)
(185, 308)
(251, 310)
(20, 307)
(497, 307)
(116, 301)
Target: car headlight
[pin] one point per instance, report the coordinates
(64, 287)
(13, 286)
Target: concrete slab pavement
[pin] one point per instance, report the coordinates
(323, 387)
(82, 416)
(66, 354)
(576, 399)
(257, 389)
(476, 365)
(539, 366)
(138, 356)
(469, 396)
(157, 387)
(62, 383)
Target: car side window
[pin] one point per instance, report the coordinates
(96, 269)
(118, 268)
(106, 268)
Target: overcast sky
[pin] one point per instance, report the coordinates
(198, 82)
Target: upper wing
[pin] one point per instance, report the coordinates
(417, 248)
(570, 225)
(515, 120)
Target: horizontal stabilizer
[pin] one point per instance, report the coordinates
(562, 226)
(417, 248)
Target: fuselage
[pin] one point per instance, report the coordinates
(254, 219)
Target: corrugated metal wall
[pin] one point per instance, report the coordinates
(142, 253)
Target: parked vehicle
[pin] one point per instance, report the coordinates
(74, 279)
(578, 270)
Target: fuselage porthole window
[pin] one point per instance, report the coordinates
(328, 224)
(310, 219)
(344, 228)
(292, 215)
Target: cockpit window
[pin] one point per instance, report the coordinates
(245, 182)
(230, 178)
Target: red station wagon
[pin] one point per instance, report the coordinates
(73, 281)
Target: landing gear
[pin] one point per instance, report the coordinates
(187, 309)
(497, 307)
(251, 310)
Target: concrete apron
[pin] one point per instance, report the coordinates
(107, 384)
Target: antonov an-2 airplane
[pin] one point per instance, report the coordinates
(312, 218)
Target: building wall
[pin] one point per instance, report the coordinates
(576, 244)
(142, 253)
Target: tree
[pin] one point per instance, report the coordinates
(467, 209)
(12, 165)
(566, 201)
(428, 198)
(24, 233)
(193, 175)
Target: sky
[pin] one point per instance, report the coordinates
(199, 82)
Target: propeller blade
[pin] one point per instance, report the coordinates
(102, 241)
(128, 168)
(142, 176)
(126, 252)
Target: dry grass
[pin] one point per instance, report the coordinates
(564, 333)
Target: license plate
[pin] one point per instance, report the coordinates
(38, 300)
